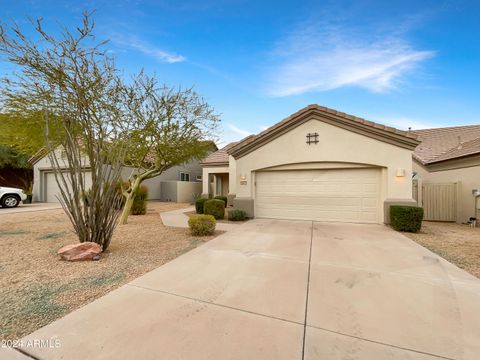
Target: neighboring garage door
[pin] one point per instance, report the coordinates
(51, 187)
(346, 195)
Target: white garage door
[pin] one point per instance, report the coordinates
(51, 187)
(345, 195)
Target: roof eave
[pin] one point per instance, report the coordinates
(400, 140)
(214, 164)
(434, 162)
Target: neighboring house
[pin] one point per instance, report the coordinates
(180, 183)
(447, 170)
(318, 164)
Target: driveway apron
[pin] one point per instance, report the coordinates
(273, 289)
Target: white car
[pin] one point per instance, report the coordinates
(11, 197)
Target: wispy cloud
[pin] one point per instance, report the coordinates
(239, 131)
(323, 57)
(148, 49)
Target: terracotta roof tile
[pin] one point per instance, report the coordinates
(219, 156)
(248, 140)
(440, 144)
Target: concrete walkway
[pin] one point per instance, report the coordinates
(283, 290)
(177, 218)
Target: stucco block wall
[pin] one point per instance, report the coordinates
(335, 145)
(168, 191)
(180, 191)
(188, 191)
(467, 179)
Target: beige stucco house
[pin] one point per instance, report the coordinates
(447, 172)
(182, 183)
(317, 164)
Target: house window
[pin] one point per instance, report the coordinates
(184, 176)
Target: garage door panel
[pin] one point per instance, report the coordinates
(314, 202)
(350, 195)
(52, 191)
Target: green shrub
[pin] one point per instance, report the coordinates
(139, 206)
(199, 204)
(406, 218)
(121, 199)
(215, 207)
(202, 225)
(237, 215)
(223, 198)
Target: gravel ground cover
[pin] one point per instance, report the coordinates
(36, 287)
(457, 243)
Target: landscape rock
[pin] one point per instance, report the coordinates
(80, 252)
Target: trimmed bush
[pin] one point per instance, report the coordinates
(237, 215)
(215, 207)
(406, 218)
(202, 225)
(223, 198)
(199, 205)
(139, 206)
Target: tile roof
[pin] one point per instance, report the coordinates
(441, 144)
(314, 107)
(219, 156)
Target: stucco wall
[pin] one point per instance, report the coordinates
(168, 191)
(467, 178)
(193, 168)
(180, 191)
(188, 191)
(232, 166)
(335, 145)
(43, 165)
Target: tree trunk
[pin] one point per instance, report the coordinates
(129, 200)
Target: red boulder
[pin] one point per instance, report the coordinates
(80, 252)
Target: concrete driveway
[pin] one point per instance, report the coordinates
(30, 207)
(283, 290)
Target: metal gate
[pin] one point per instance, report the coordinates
(439, 201)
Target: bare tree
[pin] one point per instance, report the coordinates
(73, 84)
(166, 127)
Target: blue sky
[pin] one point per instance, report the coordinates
(402, 63)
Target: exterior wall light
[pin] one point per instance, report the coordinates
(243, 179)
(400, 172)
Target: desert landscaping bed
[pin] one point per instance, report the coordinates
(457, 243)
(36, 287)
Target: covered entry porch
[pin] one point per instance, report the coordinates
(216, 181)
